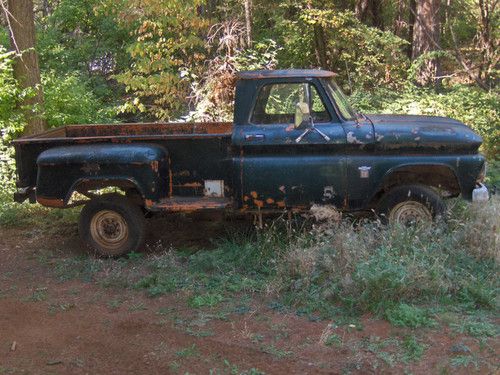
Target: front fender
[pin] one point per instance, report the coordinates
(62, 170)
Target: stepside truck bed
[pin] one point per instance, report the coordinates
(196, 151)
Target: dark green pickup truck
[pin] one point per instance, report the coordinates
(295, 141)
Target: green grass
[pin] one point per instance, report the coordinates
(403, 315)
(335, 270)
(187, 352)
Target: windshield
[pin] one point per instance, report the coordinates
(347, 112)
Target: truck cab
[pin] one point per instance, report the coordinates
(295, 141)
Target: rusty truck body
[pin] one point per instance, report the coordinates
(294, 142)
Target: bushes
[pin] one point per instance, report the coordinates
(69, 100)
(393, 272)
(374, 269)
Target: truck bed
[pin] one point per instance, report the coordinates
(135, 131)
(197, 151)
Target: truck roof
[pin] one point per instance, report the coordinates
(286, 73)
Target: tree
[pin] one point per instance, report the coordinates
(426, 34)
(369, 12)
(21, 24)
(248, 21)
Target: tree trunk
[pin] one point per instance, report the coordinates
(411, 26)
(320, 47)
(426, 35)
(368, 12)
(248, 21)
(485, 43)
(399, 23)
(26, 69)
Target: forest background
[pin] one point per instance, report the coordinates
(108, 61)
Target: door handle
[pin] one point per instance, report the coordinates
(254, 137)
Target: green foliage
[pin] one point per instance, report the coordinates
(70, 100)
(11, 116)
(355, 49)
(476, 326)
(84, 36)
(403, 315)
(388, 270)
(413, 349)
(168, 39)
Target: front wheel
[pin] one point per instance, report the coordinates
(411, 204)
(112, 225)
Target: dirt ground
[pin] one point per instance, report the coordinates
(49, 326)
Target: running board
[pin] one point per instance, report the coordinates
(189, 204)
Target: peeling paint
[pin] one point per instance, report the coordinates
(352, 139)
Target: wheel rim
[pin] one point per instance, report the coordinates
(109, 229)
(410, 213)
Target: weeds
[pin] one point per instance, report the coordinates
(187, 352)
(388, 270)
(476, 327)
(403, 315)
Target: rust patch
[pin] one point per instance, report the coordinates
(50, 202)
(281, 204)
(254, 194)
(191, 185)
(351, 138)
(258, 203)
(190, 204)
(154, 166)
(170, 178)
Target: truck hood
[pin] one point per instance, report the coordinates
(421, 132)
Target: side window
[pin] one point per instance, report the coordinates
(276, 104)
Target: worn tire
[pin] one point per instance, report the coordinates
(112, 225)
(411, 204)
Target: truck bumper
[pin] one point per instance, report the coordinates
(480, 193)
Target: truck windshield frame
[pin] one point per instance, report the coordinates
(340, 100)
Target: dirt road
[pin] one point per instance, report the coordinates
(49, 325)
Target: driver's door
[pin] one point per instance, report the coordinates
(274, 170)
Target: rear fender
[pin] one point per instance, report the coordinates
(63, 170)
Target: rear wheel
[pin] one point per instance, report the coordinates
(411, 204)
(112, 225)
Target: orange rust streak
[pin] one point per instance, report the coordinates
(50, 202)
(149, 129)
(154, 165)
(189, 204)
(170, 178)
(190, 185)
(258, 203)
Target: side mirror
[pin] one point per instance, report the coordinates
(302, 115)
